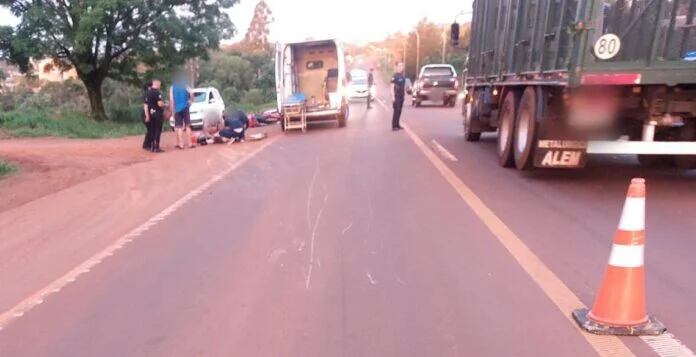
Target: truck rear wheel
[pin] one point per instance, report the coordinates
(526, 130)
(472, 126)
(508, 113)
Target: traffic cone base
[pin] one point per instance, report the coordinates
(652, 327)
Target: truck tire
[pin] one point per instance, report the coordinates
(452, 102)
(472, 126)
(526, 130)
(506, 129)
(686, 162)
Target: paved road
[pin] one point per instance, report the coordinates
(349, 242)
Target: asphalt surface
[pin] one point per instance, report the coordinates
(348, 242)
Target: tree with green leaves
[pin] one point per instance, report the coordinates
(256, 38)
(125, 40)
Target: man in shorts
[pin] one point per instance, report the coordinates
(179, 102)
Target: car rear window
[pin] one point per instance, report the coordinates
(437, 71)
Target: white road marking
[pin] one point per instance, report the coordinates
(28, 303)
(666, 345)
(443, 152)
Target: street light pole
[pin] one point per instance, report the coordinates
(444, 42)
(405, 44)
(417, 51)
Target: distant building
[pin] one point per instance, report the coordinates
(47, 71)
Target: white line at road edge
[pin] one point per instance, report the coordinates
(57, 285)
(666, 345)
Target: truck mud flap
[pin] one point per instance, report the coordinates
(566, 154)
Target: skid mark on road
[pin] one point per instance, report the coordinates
(343, 232)
(71, 276)
(312, 240)
(550, 284)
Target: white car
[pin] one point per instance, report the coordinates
(357, 87)
(207, 103)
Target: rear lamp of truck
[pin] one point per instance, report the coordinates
(611, 79)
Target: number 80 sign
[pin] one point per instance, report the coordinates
(607, 46)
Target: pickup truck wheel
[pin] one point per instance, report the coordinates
(526, 130)
(452, 102)
(508, 113)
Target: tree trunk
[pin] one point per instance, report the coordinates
(94, 92)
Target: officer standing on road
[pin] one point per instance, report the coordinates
(370, 83)
(155, 114)
(147, 143)
(398, 84)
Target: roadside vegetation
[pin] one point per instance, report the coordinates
(111, 105)
(6, 169)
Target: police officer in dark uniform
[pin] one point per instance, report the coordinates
(370, 83)
(147, 143)
(155, 114)
(398, 84)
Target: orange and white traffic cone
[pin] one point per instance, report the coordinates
(620, 307)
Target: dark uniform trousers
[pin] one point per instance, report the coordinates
(147, 143)
(398, 105)
(155, 129)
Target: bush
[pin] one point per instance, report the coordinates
(230, 95)
(254, 96)
(132, 114)
(36, 122)
(6, 169)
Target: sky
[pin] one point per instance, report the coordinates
(353, 21)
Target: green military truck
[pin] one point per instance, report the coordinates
(560, 80)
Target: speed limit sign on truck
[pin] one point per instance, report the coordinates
(607, 46)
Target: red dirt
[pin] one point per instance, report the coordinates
(47, 165)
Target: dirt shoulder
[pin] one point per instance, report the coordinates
(81, 195)
(48, 165)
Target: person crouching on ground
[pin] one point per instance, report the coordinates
(179, 103)
(155, 114)
(236, 123)
(211, 130)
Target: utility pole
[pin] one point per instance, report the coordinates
(444, 43)
(405, 44)
(417, 51)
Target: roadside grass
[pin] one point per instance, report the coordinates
(6, 169)
(37, 123)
